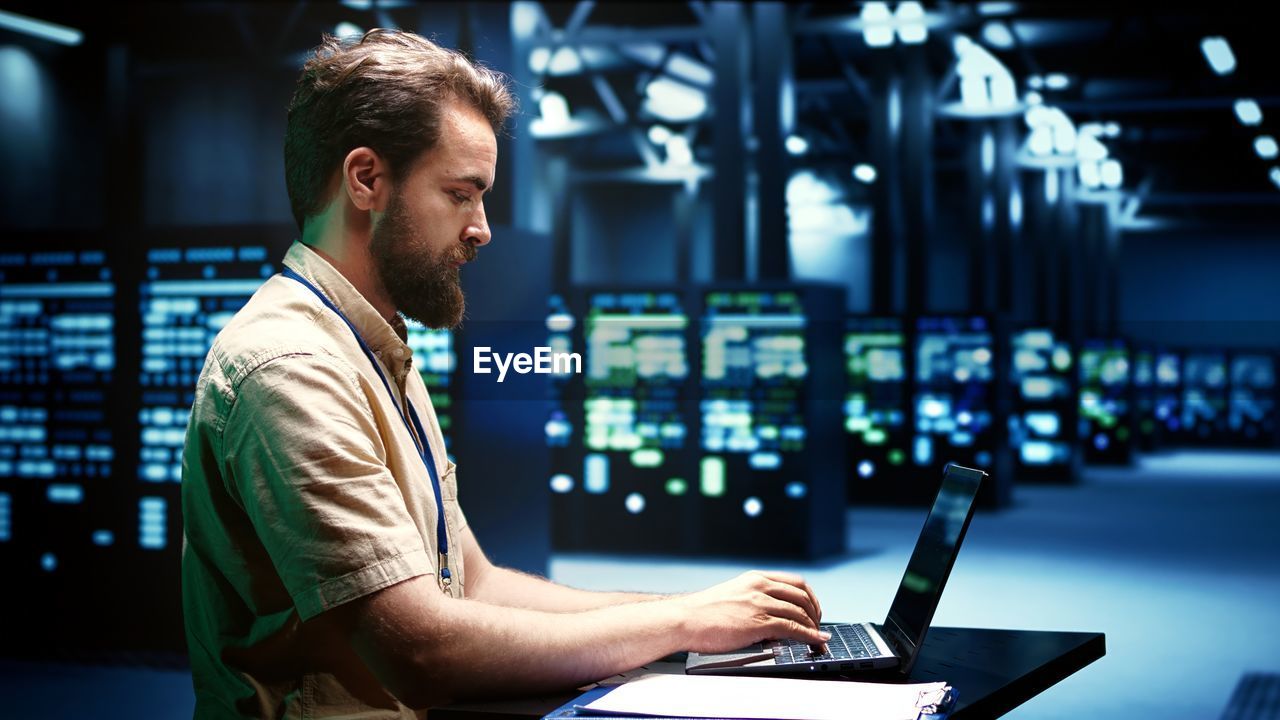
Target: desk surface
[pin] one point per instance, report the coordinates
(994, 671)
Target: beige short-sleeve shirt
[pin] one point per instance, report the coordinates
(302, 489)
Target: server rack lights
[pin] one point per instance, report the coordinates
(435, 360)
(1146, 426)
(953, 402)
(878, 436)
(1204, 398)
(1251, 411)
(1105, 406)
(562, 434)
(1041, 431)
(188, 296)
(1167, 405)
(633, 406)
(770, 475)
(58, 430)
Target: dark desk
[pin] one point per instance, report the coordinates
(994, 671)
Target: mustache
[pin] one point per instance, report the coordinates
(466, 255)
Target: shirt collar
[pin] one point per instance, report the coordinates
(386, 340)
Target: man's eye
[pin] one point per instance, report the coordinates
(459, 197)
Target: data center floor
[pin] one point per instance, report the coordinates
(1175, 559)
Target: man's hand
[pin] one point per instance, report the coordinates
(752, 607)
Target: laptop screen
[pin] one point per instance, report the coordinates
(931, 562)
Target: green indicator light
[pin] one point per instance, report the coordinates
(712, 480)
(874, 437)
(677, 486)
(897, 457)
(646, 458)
(1122, 434)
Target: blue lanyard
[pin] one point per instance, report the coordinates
(416, 430)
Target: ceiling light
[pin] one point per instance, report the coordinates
(910, 21)
(1265, 146)
(1218, 52)
(1275, 176)
(1057, 81)
(1112, 174)
(673, 101)
(565, 61)
(997, 8)
(348, 31)
(41, 29)
(659, 134)
(554, 109)
(877, 24)
(997, 35)
(1088, 149)
(678, 151)
(1041, 141)
(797, 145)
(864, 173)
(1248, 112)
(1090, 176)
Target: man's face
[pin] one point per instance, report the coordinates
(435, 220)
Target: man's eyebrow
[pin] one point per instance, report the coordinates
(477, 181)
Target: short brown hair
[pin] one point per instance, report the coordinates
(384, 91)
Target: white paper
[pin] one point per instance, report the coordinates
(713, 696)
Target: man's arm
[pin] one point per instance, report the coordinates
(497, 585)
(429, 649)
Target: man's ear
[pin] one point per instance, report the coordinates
(366, 179)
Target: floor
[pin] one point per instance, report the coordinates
(1185, 541)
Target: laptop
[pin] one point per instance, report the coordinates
(857, 648)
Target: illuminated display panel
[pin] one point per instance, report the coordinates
(1204, 397)
(753, 370)
(188, 296)
(627, 486)
(1167, 407)
(875, 406)
(1105, 412)
(559, 430)
(57, 439)
(435, 360)
(1144, 398)
(953, 395)
(761, 470)
(1251, 413)
(1040, 426)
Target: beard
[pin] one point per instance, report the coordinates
(423, 286)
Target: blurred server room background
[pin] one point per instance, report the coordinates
(810, 253)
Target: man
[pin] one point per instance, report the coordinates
(327, 567)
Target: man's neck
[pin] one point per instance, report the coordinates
(348, 253)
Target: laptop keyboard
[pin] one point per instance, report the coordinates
(848, 642)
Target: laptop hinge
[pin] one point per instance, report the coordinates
(902, 646)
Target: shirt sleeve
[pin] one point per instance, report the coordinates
(305, 458)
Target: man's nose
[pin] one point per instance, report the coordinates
(477, 232)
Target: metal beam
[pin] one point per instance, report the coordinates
(1157, 105)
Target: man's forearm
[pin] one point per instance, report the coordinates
(512, 588)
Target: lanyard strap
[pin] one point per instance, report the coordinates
(416, 429)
